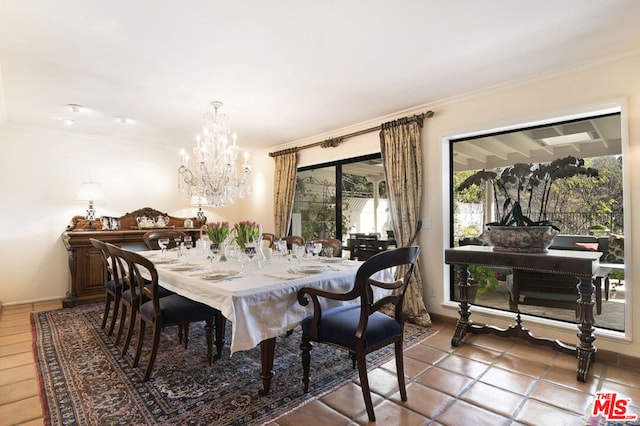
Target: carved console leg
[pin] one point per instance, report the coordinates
(462, 281)
(586, 352)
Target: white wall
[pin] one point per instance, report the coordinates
(40, 174)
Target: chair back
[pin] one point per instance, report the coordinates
(404, 260)
(292, 239)
(268, 239)
(107, 261)
(333, 243)
(139, 264)
(123, 272)
(151, 238)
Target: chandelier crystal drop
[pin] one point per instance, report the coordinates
(215, 175)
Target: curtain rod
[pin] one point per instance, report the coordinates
(333, 142)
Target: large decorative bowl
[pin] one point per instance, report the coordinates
(521, 239)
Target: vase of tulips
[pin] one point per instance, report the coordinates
(246, 232)
(217, 233)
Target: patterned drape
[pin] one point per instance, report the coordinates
(284, 185)
(402, 159)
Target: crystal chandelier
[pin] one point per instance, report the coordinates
(215, 176)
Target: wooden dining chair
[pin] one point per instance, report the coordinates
(160, 312)
(292, 239)
(130, 298)
(267, 239)
(151, 238)
(113, 286)
(333, 243)
(361, 328)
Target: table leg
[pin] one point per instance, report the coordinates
(586, 352)
(462, 281)
(267, 354)
(220, 325)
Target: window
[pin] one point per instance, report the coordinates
(337, 199)
(596, 139)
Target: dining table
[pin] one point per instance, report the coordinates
(258, 297)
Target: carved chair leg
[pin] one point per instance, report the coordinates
(364, 384)
(306, 347)
(400, 369)
(157, 330)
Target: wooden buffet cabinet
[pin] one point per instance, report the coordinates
(85, 263)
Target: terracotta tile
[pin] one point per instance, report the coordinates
(520, 365)
(623, 375)
(315, 413)
(382, 382)
(623, 391)
(541, 354)
(21, 411)
(389, 413)
(348, 400)
(412, 367)
(509, 380)
(463, 413)
(462, 365)
(444, 381)
(441, 341)
(425, 353)
(16, 391)
(496, 343)
(424, 400)
(478, 353)
(563, 397)
(536, 413)
(565, 377)
(562, 360)
(492, 398)
(12, 361)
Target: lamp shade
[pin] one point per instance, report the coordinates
(91, 192)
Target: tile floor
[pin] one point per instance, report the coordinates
(486, 381)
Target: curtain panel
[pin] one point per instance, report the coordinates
(284, 186)
(400, 146)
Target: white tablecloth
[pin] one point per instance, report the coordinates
(259, 304)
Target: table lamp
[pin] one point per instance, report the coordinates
(90, 192)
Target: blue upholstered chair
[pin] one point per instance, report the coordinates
(361, 328)
(160, 312)
(113, 287)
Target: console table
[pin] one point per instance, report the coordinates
(85, 262)
(580, 264)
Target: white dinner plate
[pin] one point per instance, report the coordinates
(331, 260)
(163, 261)
(220, 275)
(187, 267)
(311, 269)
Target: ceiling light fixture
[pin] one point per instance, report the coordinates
(215, 176)
(68, 122)
(75, 107)
(123, 120)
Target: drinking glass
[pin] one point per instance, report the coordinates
(188, 243)
(163, 243)
(215, 250)
(298, 252)
(177, 240)
(317, 248)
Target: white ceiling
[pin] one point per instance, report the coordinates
(285, 69)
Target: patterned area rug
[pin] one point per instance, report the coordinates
(85, 380)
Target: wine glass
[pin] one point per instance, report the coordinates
(177, 240)
(188, 243)
(215, 250)
(298, 252)
(163, 243)
(317, 248)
